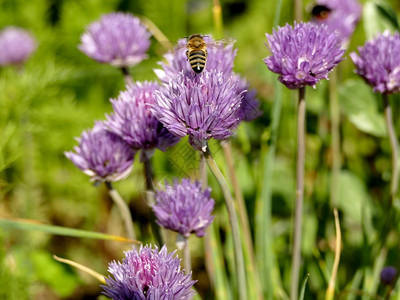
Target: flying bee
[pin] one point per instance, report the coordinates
(197, 46)
(321, 12)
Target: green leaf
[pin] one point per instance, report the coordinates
(59, 230)
(358, 102)
(386, 11)
(356, 204)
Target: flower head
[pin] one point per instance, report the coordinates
(202, 106)
(118, 39)
(133, 121)
(102, 155)
(379, 62)
(303, 54)
(148, 274)
(184, 207)
(342, 16)
(389, 275)
(16, 45)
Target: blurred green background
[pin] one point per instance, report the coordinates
(61, 92)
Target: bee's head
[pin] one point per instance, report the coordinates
(320, 12)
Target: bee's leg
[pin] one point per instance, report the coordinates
(187, 54)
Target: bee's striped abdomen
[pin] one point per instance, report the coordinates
(197, 60)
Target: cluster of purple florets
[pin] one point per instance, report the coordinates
(148, 274)
(378, 62)
(303, 54)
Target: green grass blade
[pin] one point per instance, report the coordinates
(216, 263)
(32, 225)
(303, 287)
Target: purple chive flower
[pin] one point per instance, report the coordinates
(342, 16)
(16, 45)
(303, 54)
(118, 39)
(379, 63)
(220, 57)
(202, 106)
(133, 121)
(102, 155)
(184, 207)
(389, 275)
(148, 274)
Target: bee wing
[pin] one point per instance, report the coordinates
(178, 48)
(221, 42)
(180, 45)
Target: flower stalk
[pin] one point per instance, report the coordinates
(233, 220)
(124, 209)
(148, 174)
(187, 263)
(227, 147)
(335, 132)
(127, 76)
(298, 10)
(217, 15)
(203, 172)
(394, 147)
(296, 258)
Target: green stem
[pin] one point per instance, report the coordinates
(298, 10)
(394, 147)
(217, 15)
(186, 256)
(203, 172)
(127, 76)
(230, 205)
(124, 209)
(148, 174)
(335, 131)
(227, 147)
(296, 259)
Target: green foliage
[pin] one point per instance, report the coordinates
(52, 273)
(362, 114)
(13, 278)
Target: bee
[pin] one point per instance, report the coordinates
(320, 12)
(196, 52)
(197, 46)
